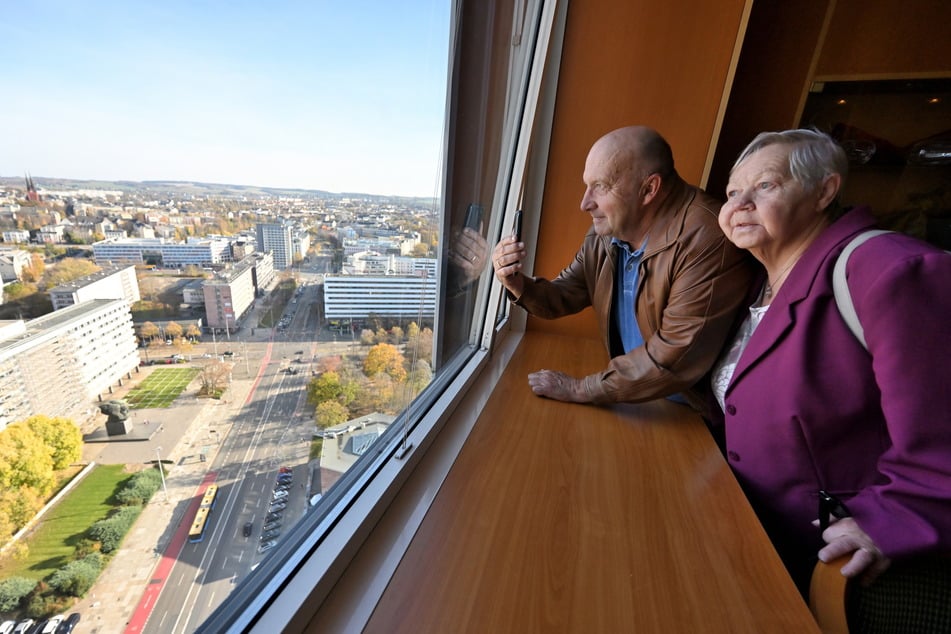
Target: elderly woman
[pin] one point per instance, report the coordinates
(806, 408)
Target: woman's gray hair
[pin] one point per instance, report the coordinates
(813, 156)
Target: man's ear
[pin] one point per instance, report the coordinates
(650, 188)
(828, 190)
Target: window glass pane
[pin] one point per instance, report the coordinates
(277, 176)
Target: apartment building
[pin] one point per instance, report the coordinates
(162, 252)
(12, 263)
(356, 297)
(61, 363)
(277, 238)
(115, 282)
(229, 295)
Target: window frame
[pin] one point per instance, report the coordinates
(290, 585)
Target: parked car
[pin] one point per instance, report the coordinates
(279, 495)
(285, 477)
(266, 546)
(23, 626)
(52, 624)
(7, 626)
(279, 505)
(282, 486)
(275, 516)
(271, 534)
(248, 529)
(66, 627)
(285, 470)
(268, 526)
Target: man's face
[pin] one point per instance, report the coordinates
(611, 192)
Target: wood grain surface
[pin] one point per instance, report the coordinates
(559, 517)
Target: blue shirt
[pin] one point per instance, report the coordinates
(628, 265)
(625, 317)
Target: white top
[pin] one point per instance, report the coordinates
(724, 368)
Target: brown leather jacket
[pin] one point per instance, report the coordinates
(691, 284)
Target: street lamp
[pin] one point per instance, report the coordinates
(158, 454)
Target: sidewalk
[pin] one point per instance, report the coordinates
(186, 432)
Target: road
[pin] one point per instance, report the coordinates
(272, 430)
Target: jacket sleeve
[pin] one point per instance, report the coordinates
(904, 311)
(709, 282)
(567, 294)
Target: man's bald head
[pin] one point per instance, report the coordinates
(636, 148)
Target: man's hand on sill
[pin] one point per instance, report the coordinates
(558, 386)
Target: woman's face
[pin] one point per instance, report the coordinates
(765, 208)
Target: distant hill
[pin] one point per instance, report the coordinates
(195, 189)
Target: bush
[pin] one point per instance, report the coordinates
(76, 577)
(140, 488)
(12, 591)
(110, 531)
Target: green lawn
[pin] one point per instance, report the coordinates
(161, 387)
(52, 543)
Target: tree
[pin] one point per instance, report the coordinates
(12, 591)
(61, 436)
(367, 338)
(324, 388)
(330, 413)
(149, 330)
(34, 271)
(421, 346)
(396, 334)
(18, 290)
(193, 331)
(77, 577)
(412, 331)
(69, 269)
(385, 358)
(173, 329)
(212, 376)
(24, 460)
(420, 376)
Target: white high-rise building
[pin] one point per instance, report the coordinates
(109, 283)
(61, 363)
(277, 238)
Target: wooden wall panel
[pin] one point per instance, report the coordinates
(887, 38)
(662, 64)
(771, 76)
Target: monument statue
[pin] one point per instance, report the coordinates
(118, 422)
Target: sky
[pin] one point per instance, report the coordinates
(338, 95)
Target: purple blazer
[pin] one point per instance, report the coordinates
(808, 408)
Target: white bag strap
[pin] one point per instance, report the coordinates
(840, 285)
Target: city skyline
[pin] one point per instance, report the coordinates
(346, 98)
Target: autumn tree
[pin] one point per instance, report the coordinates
(213, 376)
(330, 413)
(193, 331)
(329, 363)
(69, 269)
(420, 376)
(33, 272)
(412, 330)
(149, 330)
(60, 435)
(331, 386)
(24, 460)
(421, 346)
(367, 338)
(385, 358)
(18, 290)
(173, 329)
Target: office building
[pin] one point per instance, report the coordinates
(114, 282)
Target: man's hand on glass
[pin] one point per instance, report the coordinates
(507, 262)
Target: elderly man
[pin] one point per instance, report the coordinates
(664, 283)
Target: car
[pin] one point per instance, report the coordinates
(23, 626)
(273, 517)
(248, 529)
(271, 534)
(285, 470)
(299, 352)
(282, 486)
(269, 525)
(52, 624)
(266, 546)
(279, 495)
(285, 476)
(7, 626)
(67, 626)
(279, 505)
